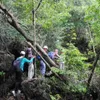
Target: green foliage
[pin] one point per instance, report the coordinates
(76, 68)
(60, 22)
(93, 18)
(56, 70)
(52, 97)
(76, 71)
(2, 73)
(74, 58)
(55, 97)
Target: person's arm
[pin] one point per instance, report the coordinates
(28, 61)
(57, 55)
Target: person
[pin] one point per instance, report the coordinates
(31, 65)
(45, 48)
(61, 61)
(18, 65)
(55, 56)
(42, 63)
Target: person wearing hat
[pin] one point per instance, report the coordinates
(19, 68)
(45, 48)
(42, 63)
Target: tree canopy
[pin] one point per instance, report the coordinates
(71, 26)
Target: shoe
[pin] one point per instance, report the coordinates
(19, 91)
(13, 92)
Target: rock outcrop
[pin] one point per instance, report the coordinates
(36, 89)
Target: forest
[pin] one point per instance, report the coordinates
(71, 27)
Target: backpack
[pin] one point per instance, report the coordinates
(51, 54)
(16, 63)
(38, 57)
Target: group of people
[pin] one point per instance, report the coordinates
(54, 56)
(28, 57)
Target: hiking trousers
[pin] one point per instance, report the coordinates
(18, 73)
(42, 67)
(62, 65)
(30, 71)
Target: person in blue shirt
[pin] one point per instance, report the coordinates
(19, 71)
(42, 63)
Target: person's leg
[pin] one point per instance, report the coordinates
(30, 71)
(62, 65)
(33, 70)
(42, 67)
(18, 80)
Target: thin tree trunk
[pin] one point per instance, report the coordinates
(93, 69)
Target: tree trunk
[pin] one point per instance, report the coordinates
(12, 21)
(92, 72)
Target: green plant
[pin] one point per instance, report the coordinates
(2, 73)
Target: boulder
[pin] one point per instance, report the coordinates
(5, 61)
(36, 89)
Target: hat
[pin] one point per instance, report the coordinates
(22, 52)
(45, 47)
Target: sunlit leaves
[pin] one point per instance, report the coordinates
(93, 17)
(52, 14)
(76, 68)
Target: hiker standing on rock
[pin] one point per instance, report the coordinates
(42, 63)
(55, 56)
(18, 65)
(31, 65)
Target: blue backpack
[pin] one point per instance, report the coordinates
(38, 57)
(16, 63)
(51, 54)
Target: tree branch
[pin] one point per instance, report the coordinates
(92, 72)
(43, 60)
(12, 21)
(34, 10)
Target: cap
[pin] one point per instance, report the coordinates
(22, 52)
(45, 47)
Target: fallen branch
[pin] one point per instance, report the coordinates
(12, 21)
(43, 60)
